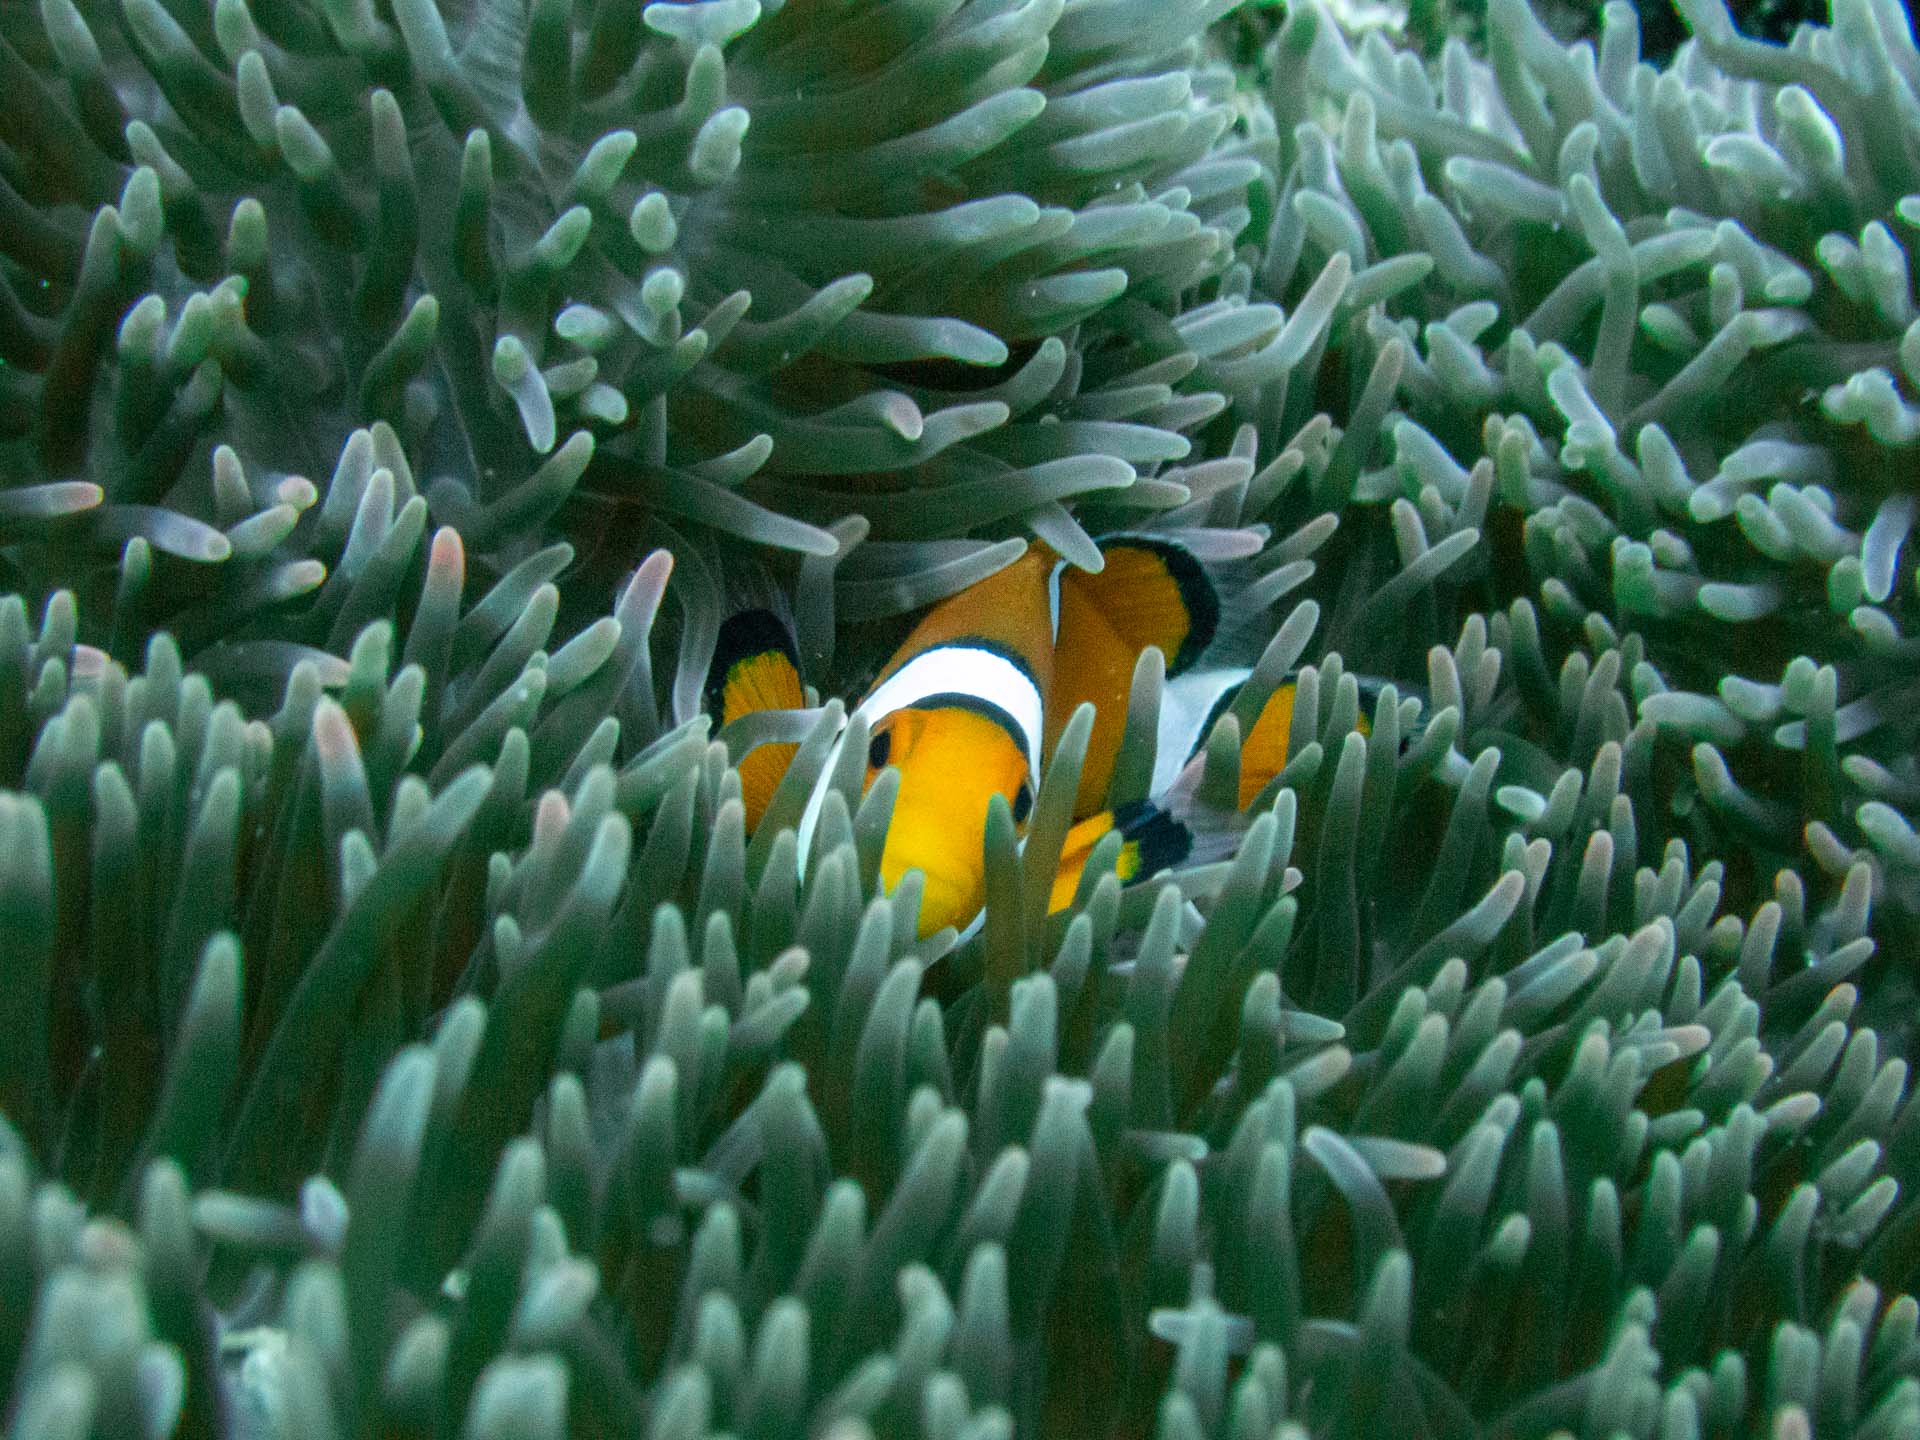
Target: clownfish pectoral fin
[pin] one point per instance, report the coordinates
(755, 667)
(1151, 840)
(1151, 592)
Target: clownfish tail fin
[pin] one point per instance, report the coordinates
(1152, 840)
(1265, 740)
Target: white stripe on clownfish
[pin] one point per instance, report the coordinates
(951, 669)
(963, 669)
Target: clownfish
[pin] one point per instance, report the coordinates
(973, 702)
(975, 699)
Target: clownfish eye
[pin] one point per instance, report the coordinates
(1022, 802)
(877, 749)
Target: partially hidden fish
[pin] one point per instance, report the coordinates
(975, 699)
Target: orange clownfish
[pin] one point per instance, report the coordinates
(960, 712)
(974, 700)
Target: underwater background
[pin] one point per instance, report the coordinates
(400, 1033)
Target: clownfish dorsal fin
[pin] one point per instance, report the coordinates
(1149, 592)
(755, 667)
